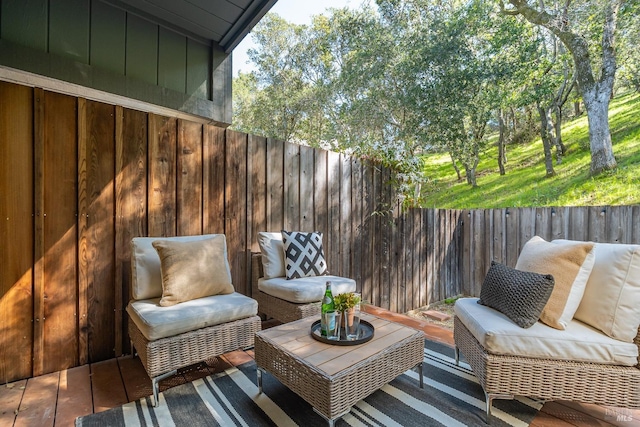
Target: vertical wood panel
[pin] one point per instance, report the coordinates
(58, 323)
(16, 227)
(275, 185)
(162, 176)
(189, 179)
(512, 236)
(257, 172)
(236, 208)
(320, 192)
(307, 208)
(579, 224)
(367, 246)
(386, 223)
(597, 223)
(96, 181)
(38, 238)
(331, 240)
(356, 219)
(292, 186)
(131, 207)
(344, 237)
(213, 179)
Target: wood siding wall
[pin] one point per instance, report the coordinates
(79, 179)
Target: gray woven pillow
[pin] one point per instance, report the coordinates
(520, 295)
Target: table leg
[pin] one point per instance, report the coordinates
(420, 372)
(259, 374)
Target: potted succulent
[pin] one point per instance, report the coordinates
(347, 303)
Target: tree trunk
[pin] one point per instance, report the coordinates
(561, 149)
(576, 108)
(597, 106)
(546, 140)
(501, 138)
(455, 166)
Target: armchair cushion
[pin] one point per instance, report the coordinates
(146, 278)
(305, 289)
(578, 342)
(570, 263)
(155, 321)
(304, 256)
(520, 295)
(611, 301)
(272, 250)
(193, 270)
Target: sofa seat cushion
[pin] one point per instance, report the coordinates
(305, 289)
(155, 321)
(578, 342)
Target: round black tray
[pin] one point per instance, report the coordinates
(365, 333)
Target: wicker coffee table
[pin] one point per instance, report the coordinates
(333, 378)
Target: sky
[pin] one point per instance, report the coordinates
(296, 11)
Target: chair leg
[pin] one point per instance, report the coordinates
(154, 384)
(489, 397)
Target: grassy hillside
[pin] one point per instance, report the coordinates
(525, 183)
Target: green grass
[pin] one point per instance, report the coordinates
(525, 184)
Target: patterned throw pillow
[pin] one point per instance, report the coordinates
(303, 254)
(520, 295)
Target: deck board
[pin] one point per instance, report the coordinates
(10, 397)
(107, 385)
(38, 405)
(74, 395)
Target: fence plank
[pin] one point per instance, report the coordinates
(189, 179)
(131, 205)
(257, 189)
(16, 232)
(344, 236)
(275, 185)
(96, 264)
(306, 178)
(292, 187)
(236, 208)
(332, 235)
(162, 176)
(357, 220)
(213, 175)
(59, 293)
(512, 236)
(597, 223)
(320, 192)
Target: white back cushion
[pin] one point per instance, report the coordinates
(146, 278)
(611, 301)
(272, 249)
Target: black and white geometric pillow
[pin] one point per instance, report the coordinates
(303, 254)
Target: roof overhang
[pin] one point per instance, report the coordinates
(225, 22)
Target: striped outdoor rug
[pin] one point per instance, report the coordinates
(451, 397)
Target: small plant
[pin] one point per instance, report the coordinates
(343, 302)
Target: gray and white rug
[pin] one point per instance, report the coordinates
(451, 397)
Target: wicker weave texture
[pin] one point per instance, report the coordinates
(334, 395)
(607, 385)
(277, 308)
(167, 354)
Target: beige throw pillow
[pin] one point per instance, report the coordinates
(611, 301)
(193, 270)
(570, 263)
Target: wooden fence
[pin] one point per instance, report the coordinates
(79, 179)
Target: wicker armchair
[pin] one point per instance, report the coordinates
(503, 377)
(274, 307)
(169, 338)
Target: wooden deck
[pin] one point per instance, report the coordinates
(56, 399)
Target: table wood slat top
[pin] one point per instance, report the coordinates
(295, 338)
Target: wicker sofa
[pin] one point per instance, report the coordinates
(168, 338)
(590, 361)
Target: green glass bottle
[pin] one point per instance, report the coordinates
(327, 305)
